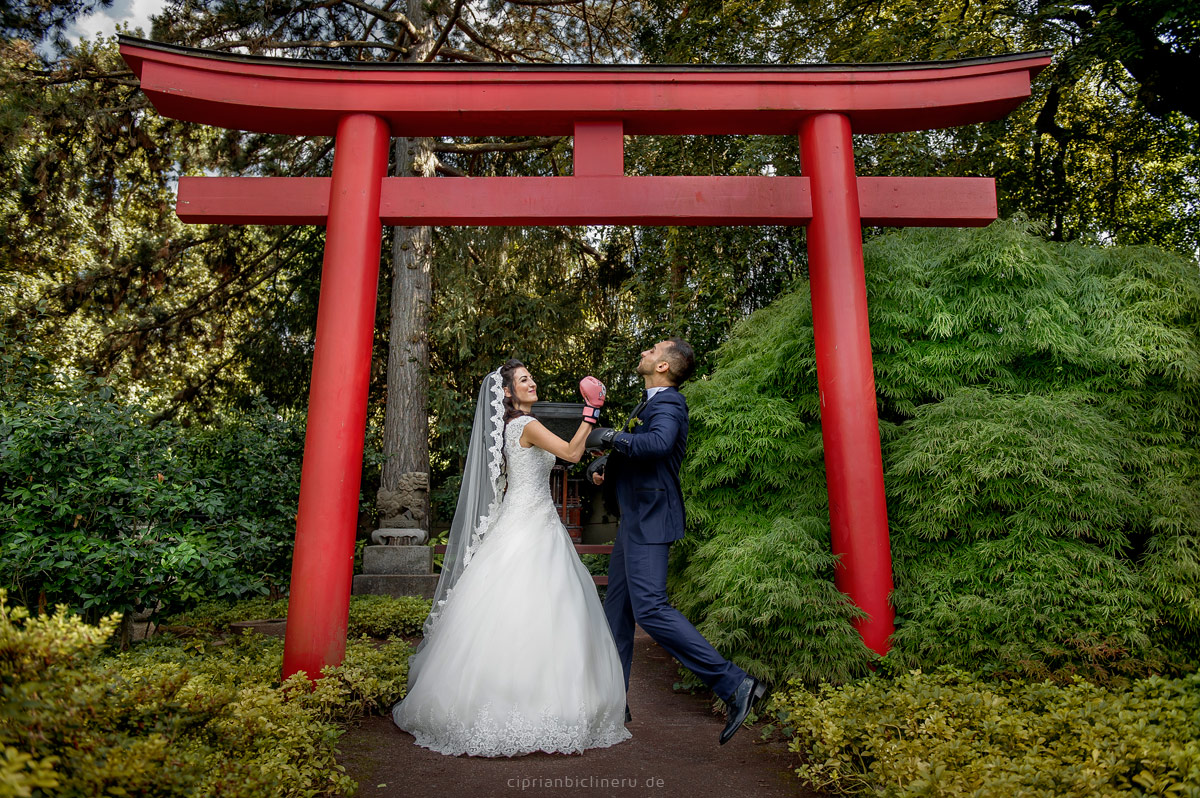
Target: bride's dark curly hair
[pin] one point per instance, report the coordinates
(506, 381)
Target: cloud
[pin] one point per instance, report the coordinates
(136, 13)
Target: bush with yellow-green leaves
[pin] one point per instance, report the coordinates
(951, 733)
(375, 616)
(175, 716)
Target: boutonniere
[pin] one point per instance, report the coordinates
(635, 422)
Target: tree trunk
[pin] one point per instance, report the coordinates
(406, 417)
(406, 421)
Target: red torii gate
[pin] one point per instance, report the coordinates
(364, 104)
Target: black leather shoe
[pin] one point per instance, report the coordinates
(748, 693)
(628, 717)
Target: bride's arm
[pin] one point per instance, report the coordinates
(535, 433)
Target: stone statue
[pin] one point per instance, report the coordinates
(402, 511)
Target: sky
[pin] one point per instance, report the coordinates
(135, 12)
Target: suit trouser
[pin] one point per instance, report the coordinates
(637, 593)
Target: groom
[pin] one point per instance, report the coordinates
(644, 469)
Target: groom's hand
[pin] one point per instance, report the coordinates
(601, 438)
(595, 471)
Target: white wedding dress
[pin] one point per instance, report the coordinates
(522, 658)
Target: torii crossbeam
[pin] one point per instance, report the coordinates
(364, 104)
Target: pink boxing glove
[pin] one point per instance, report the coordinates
(593, 398)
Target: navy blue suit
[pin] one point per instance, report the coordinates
(644, 470)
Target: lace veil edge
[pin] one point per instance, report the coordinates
(479, 495)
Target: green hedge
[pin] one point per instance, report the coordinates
(374, 616)
(1040, 421)
(950, 734)
(194, 716)
(106, 511)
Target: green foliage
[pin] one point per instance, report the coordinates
(1031, 497)
(767, 594)
(39, 23)
(1031, 606)
(101, 510)
(387, 616)
(106, 511)
(1023, 466)
(950, 733)
(214, 616)
(1104, 149)
(255, 457)
(373, 616)
(755, 570)
(173, 717)
(97, 274)
(1040, 421)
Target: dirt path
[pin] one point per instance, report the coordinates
(673, 752)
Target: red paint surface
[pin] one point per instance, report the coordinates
(308, 97)
(599, 149)
(845, 379)
(323, 562)
(889, 201)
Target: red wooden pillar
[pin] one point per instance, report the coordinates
(845, 379)
(323, 561)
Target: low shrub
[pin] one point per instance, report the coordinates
(102, 512)
(214, 617)
(766, 594)
(106, 508)
(373, 616)
(176, 716)
(385, 616)
(253, 457)
(1039, 419)
(951, 733)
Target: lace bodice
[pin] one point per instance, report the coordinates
(528, 468)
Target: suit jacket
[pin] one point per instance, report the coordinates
(644, 466)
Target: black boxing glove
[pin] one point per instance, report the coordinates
(601, 438)
(596, 467)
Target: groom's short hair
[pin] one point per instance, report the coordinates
(681, 360)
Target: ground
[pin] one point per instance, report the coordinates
(673, 752)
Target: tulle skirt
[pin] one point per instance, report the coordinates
(522, 658)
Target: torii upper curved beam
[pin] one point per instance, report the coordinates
(278, 95)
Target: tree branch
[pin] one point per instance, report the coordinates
(447, 170)
(583, 245)
(189, 392)
(461, 55)
(499, 146)
(476, 37)
(587, 26)
(199, 305)
(374, 19)
(316, 44)
(441, 39)
(54, 77)
(387, 16)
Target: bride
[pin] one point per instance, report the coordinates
(517, 655)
